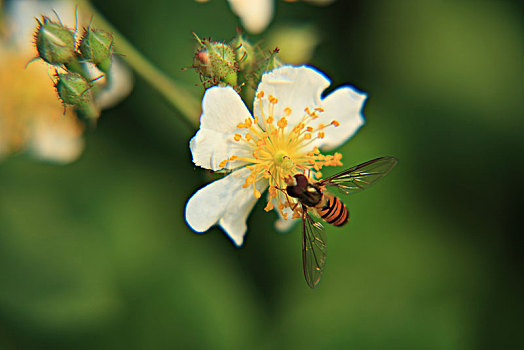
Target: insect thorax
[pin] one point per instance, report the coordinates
(308, 194)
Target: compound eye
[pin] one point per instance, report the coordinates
(294, 191)
(301, 180)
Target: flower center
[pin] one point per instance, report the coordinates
(278, 150)
(283, 160)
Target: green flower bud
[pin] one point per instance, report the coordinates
(265, 64)
(216, 63)
(97, 46)
(271, 61)
(55, 43)
(245, 54)
(73, 89)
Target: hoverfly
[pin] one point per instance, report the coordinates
(314, 197)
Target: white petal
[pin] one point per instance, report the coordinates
(222, 111)
(282, 225)
(58, 140)
(345, 106)
(294, 87)
(117, 89)
(225, 202)
(255, 15)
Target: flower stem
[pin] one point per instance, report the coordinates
(183, 101)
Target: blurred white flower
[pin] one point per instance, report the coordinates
(291, 123)
(255, 15)
(32, 118)
(296, 43)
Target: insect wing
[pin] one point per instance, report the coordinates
(313, 249)
(361, 176)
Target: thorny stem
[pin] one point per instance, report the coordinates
(183, 101)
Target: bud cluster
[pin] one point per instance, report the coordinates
(237, 64)
(57, 45)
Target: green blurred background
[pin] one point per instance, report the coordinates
(97, 254)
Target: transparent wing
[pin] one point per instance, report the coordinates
(361, 176)
(313, 249)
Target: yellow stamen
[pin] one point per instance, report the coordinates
(278, 151)
(282, 122)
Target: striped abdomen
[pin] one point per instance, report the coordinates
(334, 211)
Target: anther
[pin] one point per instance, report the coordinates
(269, 206)
(282, 122)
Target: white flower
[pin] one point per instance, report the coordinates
(291, 123)
(255, 15)
(31, 116)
